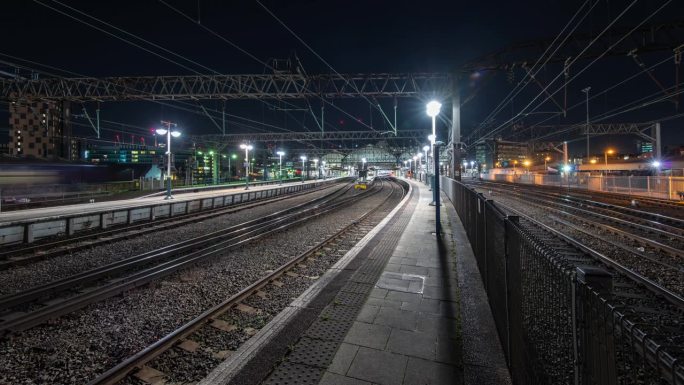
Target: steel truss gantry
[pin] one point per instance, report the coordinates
(224, 87)
(310, 136)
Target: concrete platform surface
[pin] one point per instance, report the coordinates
(412, 329)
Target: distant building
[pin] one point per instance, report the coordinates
(644, 147)
(40, 130)
(500, 153)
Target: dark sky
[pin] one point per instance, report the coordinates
(353, 36)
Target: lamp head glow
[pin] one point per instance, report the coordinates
(465, 162)
(655, 164)
(233, 156)
(472, 163)
(280, 153)
(567, 168)
(363, 160)
(246, 147)
(303, 157)
(211, 152)
(175, 134)
(419, 155)
(161, 131)
(315, 160)
(426, 148)
(431, 138)
(433, 108)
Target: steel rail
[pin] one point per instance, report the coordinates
(120, 371)
(619, 221)
(75, 280)
(593, 194)
(10, 258)
(654, 287)
(145, 276)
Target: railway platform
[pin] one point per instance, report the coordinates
(401, 307)
(27, 226)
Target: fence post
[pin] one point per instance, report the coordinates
(510, 251)
(596, 353)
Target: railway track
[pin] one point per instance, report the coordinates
(665, 207)
(185, 337)
(40, 304)
(639, 243)
(644, 313)
(42, 250)
(561, 241)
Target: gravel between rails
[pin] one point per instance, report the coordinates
(78, 347)
(24, 277)
(673, 280)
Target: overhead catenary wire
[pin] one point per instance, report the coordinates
(544, 90)
(598, 94)
(517, 89)
(130, 42)
(166, 104)
(313, 51)
(232, 44)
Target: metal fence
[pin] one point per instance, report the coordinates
(664, 187)
(555, 312)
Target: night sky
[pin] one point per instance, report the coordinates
(353, 36)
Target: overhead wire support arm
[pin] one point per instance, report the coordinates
(95, 128)
(642, 65)
(222, 129)
(393, 126)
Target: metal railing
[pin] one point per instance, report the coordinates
(555, 313)
(663, 187)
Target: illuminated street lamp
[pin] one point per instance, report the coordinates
(246, 147)
(230, 170)
(526, 163)
(548, 158)
(315, 160)
(433, 110)
(169, 133)
(409, 166)
(303, 158)
(325, 174)
(415, 166)
(605, 154)
(656, 164)
(280, 173)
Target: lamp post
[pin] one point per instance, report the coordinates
(605, 158)
(433, 110)
(246, 147)
(169, 133)
(303, 158)
(420, 164)
(315, 160)
(548, 158)
(586, 91)
(410, 166)
(280, 172)
(426, 150)
(325, 173)
(405, 163)
(415, 166)
(605, 155)
(230, 170)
